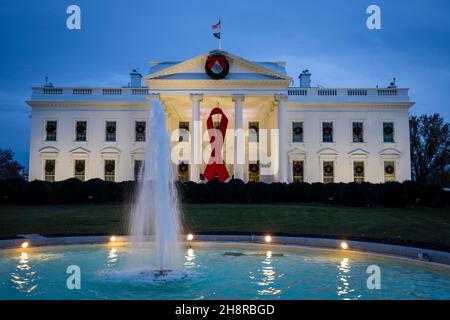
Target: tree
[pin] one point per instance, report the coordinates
(430, 148)
(10, 168)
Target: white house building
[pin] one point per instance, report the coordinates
(324, 134)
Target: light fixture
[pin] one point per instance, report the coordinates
(344, 245)
(268, 239)
(24, 245)
(113, 239)
(190, 237)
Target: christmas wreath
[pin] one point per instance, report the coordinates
(50, 128)
(182, 167)
(111, 129)
(140, 128)
(79, 167)
(357, 130)
(388, 130)
(254, 168)
(109, 167)
(81, 128)
(217, 66)
(359, 169)
(298, 130)
(389, 169)
(49, 167)
(328, 168)
(327, 130)
(297, 168)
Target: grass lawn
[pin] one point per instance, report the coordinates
(422, 225)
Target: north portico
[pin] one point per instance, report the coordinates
(310, 134)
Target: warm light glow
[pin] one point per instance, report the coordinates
(190, 237)
(268, 239)
(25, 245)
(344, 245)
(112, 239)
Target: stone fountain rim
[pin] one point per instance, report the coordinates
(390, 250)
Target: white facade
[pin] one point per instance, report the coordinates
(252, 92)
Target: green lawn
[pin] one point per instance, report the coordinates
(426, 225)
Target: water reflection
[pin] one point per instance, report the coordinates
(344, 288)
(112, 258)
(190, 258)
(266, 277)
(24, 278)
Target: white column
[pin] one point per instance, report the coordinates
(196, 139)
(239, 151)
(282, 138)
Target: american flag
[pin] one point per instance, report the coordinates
(216, 26)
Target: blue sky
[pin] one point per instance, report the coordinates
(328, 37)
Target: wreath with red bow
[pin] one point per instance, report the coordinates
(109, 167)
(327, 130)
(217, 66)
(79, 167)
(183, 167)
(389, 169)
(328, 168)
(359, 169)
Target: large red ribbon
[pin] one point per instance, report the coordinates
(219, 58)
(216, 166)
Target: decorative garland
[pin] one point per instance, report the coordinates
(211, 61)
(389, 169)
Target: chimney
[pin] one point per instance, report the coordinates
(135, 79)
(393, 85)
(305, 79)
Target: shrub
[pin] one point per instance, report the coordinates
(96, 191)
(69, 191)
(196, 192)
(316, 192)
(115, 191)
(413, 192)
(352, 195)
(11, 191)
(331, 193)
(299, 192)
(430, 195)
(391, 194)
(236, 190)
(255, 192)
(36, 192)
(369, 193)
(277, 192)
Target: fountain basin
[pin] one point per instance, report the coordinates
(216, 270)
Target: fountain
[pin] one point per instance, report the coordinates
(156, 210)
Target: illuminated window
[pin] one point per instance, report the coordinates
(49, 170)
(253, 133)
(140, 131)
(253, 172)
(183, 126)
(110, 170)
(388, 132)
(389, 171)
(183, 172)
(328, 172)
(297, 171)
(297, 131)
(50, 130)
(358, 171)
(358, 132)
(80, 169)
(80, 131)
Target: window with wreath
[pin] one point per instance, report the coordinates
(358, 132)
(183, 172)
(110, 170)
(51, 130)
(297, 132)
(183, 127)
(49, 170)
(297, 171)
(328, 172)
(140, 131)
(80, 169)
(253, 172)
(81, 131)
(388, 132)
(389, 171)
(111, 128)
(327, 131)
(358, 171)
(253, 131)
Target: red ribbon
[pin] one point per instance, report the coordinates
(216, 166)
(220, 59)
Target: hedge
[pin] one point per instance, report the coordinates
(73, 191)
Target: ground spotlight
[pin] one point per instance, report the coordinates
(268, 239)
(344, 245)
(25, 245)
(190, 237)
(113, 239)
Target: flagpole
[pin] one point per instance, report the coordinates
(220, 37)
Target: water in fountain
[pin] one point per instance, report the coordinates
(156, 209)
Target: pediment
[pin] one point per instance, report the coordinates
(296, 151)
(80, 150)
(49, 149)
(240, 70)
(390, 152)
(110, 150)
(328, 151)
(359, 151)
(138, 151)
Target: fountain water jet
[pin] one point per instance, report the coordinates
(156, 208)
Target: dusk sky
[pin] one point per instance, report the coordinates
(330, 38)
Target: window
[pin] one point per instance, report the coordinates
(388, 132)
(358, 132)
(140, 131)
(328, 172)
(110, 170)
(49, 170)
(183, 172)
(389, 171)
(327, 131)
(80, 131)
(50, 129)
(253, 172)
(358, 171)
(297, 131)
(183, 127)
(111, 128)
(297, 171)
(137, 169)
(80, 169)
(253, 131)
